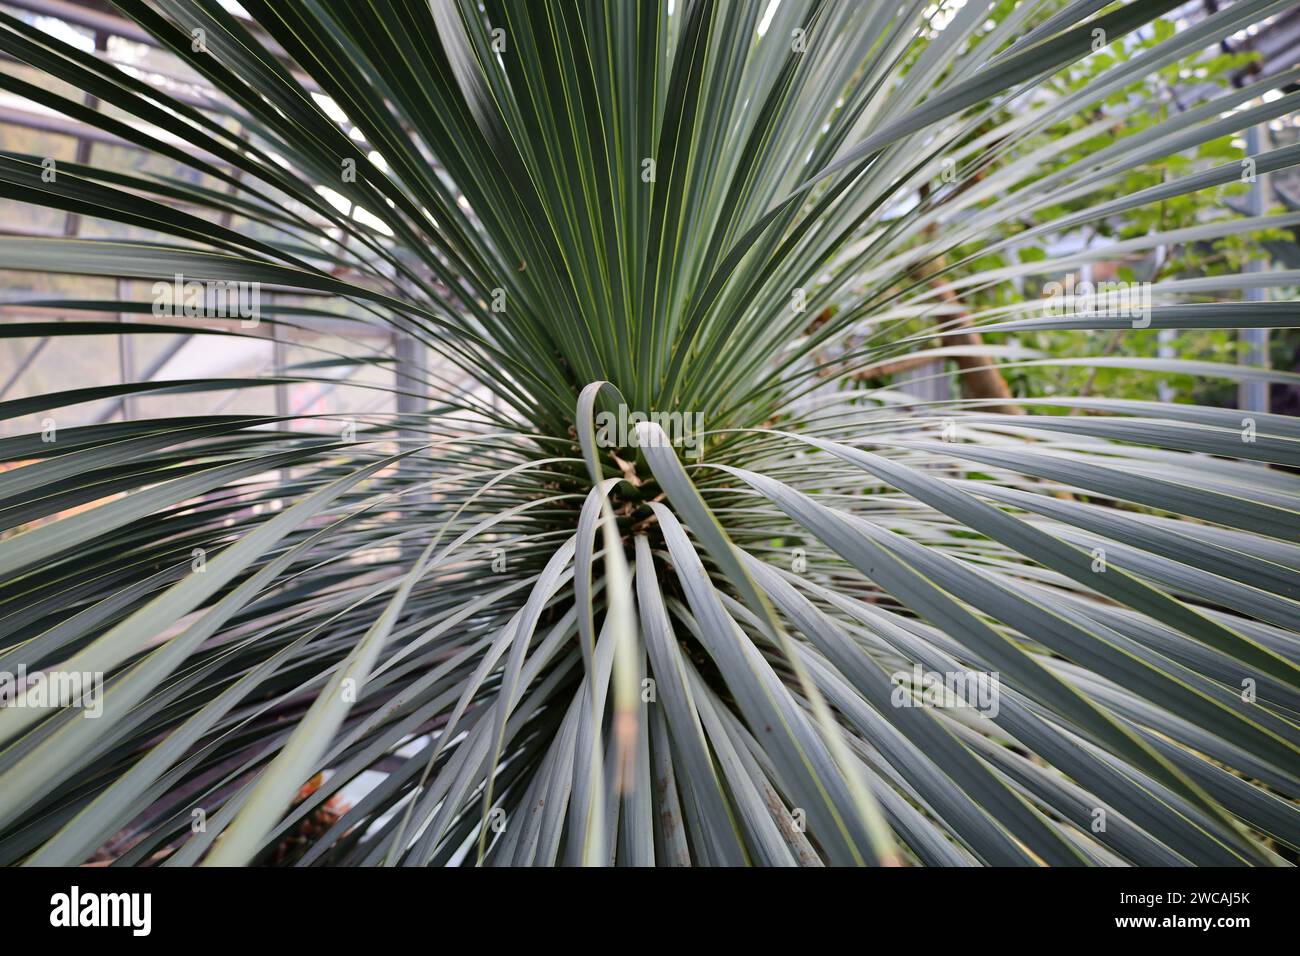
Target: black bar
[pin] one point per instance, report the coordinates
(330, 907)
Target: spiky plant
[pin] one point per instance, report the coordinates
(560, 641)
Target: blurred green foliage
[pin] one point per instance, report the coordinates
(1175, 88)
